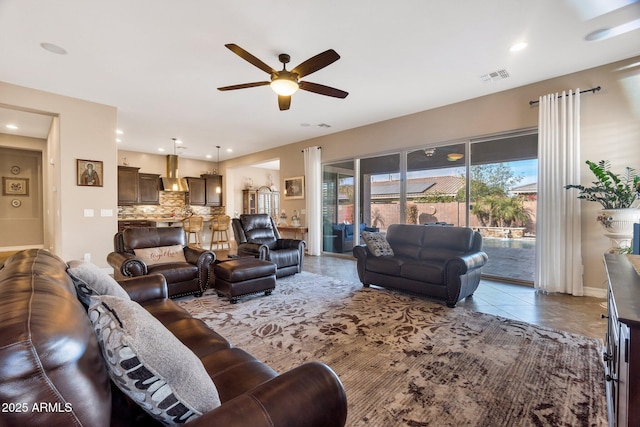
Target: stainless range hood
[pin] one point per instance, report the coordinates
(171, 182)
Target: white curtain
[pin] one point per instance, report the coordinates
(313, 192)
(558, 253)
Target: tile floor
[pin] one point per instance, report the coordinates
(579, 315)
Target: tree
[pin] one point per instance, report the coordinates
(492, 179)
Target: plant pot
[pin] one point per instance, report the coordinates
(618, 226)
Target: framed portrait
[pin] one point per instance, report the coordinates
(89, 173)
(15, 186)
(294, 187)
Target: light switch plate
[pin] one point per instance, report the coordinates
(88, 212)
(106, 212)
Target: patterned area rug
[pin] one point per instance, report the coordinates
(407, 361)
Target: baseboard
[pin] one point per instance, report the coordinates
(595, 292)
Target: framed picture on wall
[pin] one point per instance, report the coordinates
(89, 173)
(15, 186)
(294, 187)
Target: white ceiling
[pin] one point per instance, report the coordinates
(160, 61)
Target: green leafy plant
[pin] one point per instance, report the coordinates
(611, 190)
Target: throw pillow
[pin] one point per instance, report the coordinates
(377, 243)
(149, 364)
(161, 254)
(90, 280)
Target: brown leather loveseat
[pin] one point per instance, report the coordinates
(52, 370)
(439, 262)
(162, 250)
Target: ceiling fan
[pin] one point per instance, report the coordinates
(285, 83)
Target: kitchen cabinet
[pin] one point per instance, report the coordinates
(622, 347)
(128, 185)
(262, 200)
(197, 191)
(149, 189)
(212, 183)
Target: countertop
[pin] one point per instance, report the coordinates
(163, 218)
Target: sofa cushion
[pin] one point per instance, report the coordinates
(385, 265)
(90, 280)
(377, 243)
(432, 272)
(161, 254)
(149, 364)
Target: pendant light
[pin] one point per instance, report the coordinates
(218, 188)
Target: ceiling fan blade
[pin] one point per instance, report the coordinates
(249, 58)
(243, 86)
(316, 63)
(284, 102)
(323, 90)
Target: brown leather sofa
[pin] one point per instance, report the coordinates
(439, 262)
(187, 277)
(52, 372)
(257, 235)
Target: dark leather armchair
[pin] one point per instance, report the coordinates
(258, 236)
(187, 277)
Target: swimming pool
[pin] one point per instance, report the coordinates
(492, 242)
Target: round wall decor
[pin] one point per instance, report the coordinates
(15, 170)
(16, 203)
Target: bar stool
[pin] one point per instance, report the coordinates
(193, 225)
(220, 224)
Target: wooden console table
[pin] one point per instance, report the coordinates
(622, 351)
(295, 230)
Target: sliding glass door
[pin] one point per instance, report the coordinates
(487, 184)
(503, 204)
(338, 207)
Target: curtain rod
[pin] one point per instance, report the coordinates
(592, 90)
(318, 147)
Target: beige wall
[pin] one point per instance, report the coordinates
(86, 131)
(22, 226)
(610, 130)
(157, 163)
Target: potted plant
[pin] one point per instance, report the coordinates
(617, 195)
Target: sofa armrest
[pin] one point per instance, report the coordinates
(361, 252)
(145, 288)
(465, 263)
(127, 265)
(310, 395)
(253, 249)
(204, 259)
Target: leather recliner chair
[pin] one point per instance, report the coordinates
(258, 236)
(183, 278)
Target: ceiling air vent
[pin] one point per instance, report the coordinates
(495, 76)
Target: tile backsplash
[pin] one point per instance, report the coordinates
(170, 202)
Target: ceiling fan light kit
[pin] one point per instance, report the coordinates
(286, 83)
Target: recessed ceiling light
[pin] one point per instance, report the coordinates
(229, 150)
(50, 47)
(119, 132)
(518, 47)
(12, 127)
(178, 141)
(118, 140)
(208, 156)
(161, 150)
